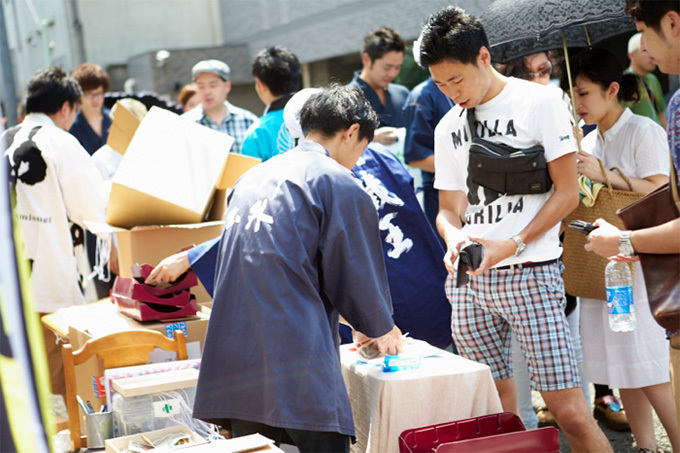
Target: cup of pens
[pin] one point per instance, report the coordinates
(98, 425)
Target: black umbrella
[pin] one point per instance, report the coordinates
(517, 28)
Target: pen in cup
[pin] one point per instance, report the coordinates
(82, 405)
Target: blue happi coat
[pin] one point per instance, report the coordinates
(300, 246)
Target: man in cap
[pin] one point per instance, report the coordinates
(651, 103)
(215, 112)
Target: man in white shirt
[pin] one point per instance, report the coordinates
(57, 187)
(518, 285)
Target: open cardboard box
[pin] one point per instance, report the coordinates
(170, 189)
(170, 172)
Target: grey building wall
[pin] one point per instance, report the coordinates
(115, 30)
(317, 29)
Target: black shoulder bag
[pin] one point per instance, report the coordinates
(505, 169)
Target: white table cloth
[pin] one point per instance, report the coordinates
(445, 388)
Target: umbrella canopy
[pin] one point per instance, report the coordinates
(517, 28)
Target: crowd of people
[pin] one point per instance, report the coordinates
(325, 241)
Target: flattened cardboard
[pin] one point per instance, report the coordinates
(120, 444)
(122, 129)
(170, 160)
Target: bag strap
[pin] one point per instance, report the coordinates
(618, 170)
(674, 184)
(471, 122)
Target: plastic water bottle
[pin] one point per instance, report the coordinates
(619, 285)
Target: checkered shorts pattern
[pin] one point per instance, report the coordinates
(528, 300)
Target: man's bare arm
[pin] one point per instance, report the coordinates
(426, 164)
(452, 207)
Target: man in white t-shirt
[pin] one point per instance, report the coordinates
(518, 285)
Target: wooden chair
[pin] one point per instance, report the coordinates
(119, 349)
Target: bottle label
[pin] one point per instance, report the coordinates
(620, 300)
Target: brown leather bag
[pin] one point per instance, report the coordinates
(661, 271)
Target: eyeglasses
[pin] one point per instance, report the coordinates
(94, 94)
(545, 72)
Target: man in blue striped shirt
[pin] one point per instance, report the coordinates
(215, 112)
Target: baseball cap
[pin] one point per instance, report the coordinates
(291, 112)
(217, 67)
(634, 43)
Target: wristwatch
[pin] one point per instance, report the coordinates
(625, 246)
(520, 244)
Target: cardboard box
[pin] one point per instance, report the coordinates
(122, 129)
(169, 173)
(150, 244)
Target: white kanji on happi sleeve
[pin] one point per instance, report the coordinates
(258, 216)
(233, 217)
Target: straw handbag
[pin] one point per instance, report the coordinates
(584, 271)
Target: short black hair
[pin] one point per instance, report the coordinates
(381, 41)
(49, 88)
(452, 34)
(651, 11)
(601, 67)
(279, 69)
(335, 109)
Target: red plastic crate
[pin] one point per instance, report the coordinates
(428, 438)
(541, 440)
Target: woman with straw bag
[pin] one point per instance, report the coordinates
(635, 362)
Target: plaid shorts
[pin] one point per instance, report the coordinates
(528, 300)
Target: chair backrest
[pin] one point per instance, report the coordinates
(119, 349)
